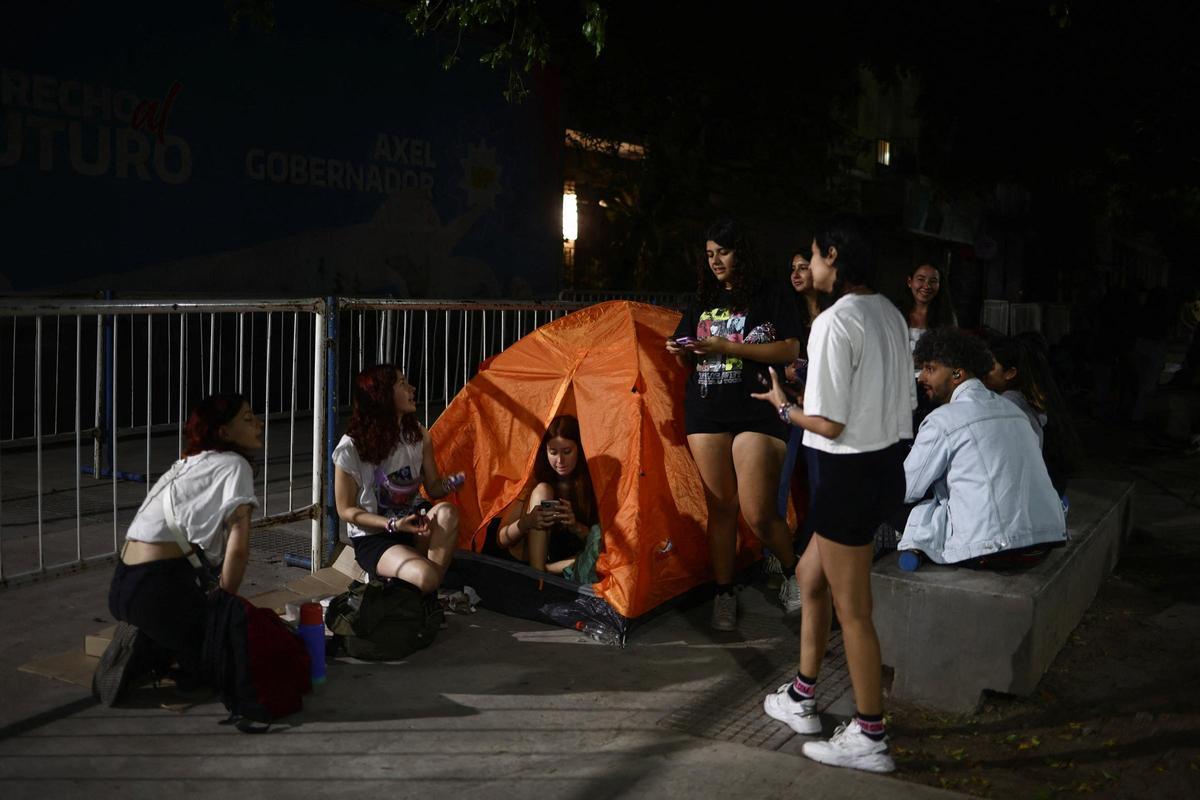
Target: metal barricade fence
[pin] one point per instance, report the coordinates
(115, 380)
(99, 392)
(439, 345)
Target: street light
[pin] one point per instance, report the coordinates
(570, 213)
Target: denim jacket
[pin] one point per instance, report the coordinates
(991, 491)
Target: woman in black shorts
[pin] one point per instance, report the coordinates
(857, 407)
(738, 323)
(380, 465)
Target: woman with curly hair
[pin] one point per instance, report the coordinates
(207, 496)
(738, 323)
(383, 460)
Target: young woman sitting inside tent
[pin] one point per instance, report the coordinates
(555, 522)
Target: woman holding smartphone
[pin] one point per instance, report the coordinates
(856, 408)
(548, 528)
(738, 323)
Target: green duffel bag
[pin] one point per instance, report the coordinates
(379, 621)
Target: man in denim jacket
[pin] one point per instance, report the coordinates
(980, 455)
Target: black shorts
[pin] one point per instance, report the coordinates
(370, 548)
(491, 542)
(853, 493)
(755, 417)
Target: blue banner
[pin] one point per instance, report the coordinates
(152, 149)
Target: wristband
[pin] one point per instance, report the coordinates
(785, 412)
(391, 525)
(453, 483)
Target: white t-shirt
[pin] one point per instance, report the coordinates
(389, 487)
(860, 374)
(205, 488)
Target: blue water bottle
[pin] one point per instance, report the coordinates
(312, 632)
(910, 560)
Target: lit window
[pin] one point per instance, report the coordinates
(883, 152)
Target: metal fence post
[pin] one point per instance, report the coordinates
(332, 521)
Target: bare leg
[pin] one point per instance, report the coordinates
(816, 615)
(712, 454)
(405, 563)
(410, 564)
(757, 459)
(443, 536)
(848, 570)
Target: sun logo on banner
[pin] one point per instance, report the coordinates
(481, 175)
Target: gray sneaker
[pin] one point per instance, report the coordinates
(789, 595)
(123, 660)
(724, 613)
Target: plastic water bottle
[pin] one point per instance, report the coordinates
(910, 560)
(312, 632)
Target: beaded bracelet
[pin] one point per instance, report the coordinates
(391, 525)
(785, 412)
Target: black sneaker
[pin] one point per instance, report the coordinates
(119, 664)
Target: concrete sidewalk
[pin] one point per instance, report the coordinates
(497, 707)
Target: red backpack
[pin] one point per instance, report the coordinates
(259, 666)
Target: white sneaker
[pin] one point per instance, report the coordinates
(724, 613)
(800, 717)
(789, 594)
(850, 747)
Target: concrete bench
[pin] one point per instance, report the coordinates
(950, 633)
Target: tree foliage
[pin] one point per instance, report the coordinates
(519, 32)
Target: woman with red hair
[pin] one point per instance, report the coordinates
(381, 463)
(206, 497)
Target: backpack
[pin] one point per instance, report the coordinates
(380, 621)
(259, 666)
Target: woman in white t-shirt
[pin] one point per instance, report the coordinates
(155, 590)
(381, 464)
(857, 407)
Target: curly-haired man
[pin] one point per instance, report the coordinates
(979, 455)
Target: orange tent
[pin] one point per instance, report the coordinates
(605, 364)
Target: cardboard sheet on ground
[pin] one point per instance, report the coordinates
(608, 366)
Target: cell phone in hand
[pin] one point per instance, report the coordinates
(549, 505)
(685, 341)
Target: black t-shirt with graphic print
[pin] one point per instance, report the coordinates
(720, 386)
